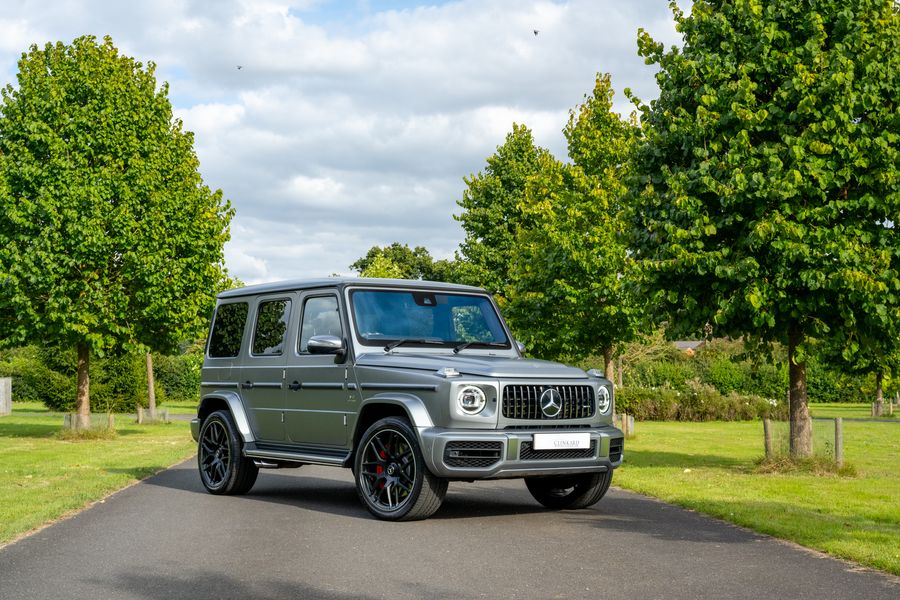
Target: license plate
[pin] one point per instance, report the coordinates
(561, 441)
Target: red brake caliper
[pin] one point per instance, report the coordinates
(379, 469)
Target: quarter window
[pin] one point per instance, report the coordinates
(227, 331)
(271, 326)
(320, 317)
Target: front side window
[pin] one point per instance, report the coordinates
(426, 318)
(227, 331)
(271, 326)
(321, 316)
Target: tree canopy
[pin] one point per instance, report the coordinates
(767, 188)
(401, 262)
(566, 287)
(109, 239)
(492, 210)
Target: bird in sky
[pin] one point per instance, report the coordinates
(536, 31)
(239, 67)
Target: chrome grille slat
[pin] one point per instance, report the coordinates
(523, 401)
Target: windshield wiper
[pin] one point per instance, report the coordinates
(465, 345)
(403, 341)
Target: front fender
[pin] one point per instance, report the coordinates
(413, 405)
(210, 402)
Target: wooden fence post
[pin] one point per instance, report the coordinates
(767, 437)
(839, 442)
(5, 396)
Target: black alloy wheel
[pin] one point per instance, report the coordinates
(223, 468)
(391, 477)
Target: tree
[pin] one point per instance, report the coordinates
(767, 185)
(109, 240)
(492, 211)
(382, 266)
(401, 262)
(567, 294)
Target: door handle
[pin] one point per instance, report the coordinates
(295, 386)
(247, 385)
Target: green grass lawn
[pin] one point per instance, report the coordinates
(710, 467)
(846, 410)
(43, 477)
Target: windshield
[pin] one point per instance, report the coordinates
(426, 319)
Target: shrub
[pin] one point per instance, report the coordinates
(179, 375)
(701, 402)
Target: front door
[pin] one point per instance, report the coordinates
(318, 405)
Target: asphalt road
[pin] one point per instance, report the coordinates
(303, 534)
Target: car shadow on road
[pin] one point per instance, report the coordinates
(209, 584)
(632, 513)
(339, 497)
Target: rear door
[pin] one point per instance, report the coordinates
(318, 406)
(262, 374)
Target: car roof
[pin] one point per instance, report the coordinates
(342, 282)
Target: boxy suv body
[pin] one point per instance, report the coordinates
(411, 384)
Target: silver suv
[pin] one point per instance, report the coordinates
(410, 384)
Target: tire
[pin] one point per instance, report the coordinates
(224, 470)
(392, 480)
(569, 491)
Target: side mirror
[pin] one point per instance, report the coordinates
(520, 346)
(325, 344)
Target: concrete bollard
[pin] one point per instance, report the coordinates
(5, 396)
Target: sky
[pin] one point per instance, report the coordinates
(333, 126)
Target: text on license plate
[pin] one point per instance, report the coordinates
(561, 441)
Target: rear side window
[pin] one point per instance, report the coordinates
(271, 325)
(228, 329)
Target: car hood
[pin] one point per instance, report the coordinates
(484, 366)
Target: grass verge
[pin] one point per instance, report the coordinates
(846, 410)
(44, 475)
(715, 468)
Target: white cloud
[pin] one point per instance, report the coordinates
(345, 126)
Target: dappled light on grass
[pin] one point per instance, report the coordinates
(716, 468)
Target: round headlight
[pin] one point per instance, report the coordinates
(603, 399)
(471, 400)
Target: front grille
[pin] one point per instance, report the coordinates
(472, 455)
(524, 401)
(615, 449)
(527, 452)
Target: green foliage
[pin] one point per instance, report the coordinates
(179, 375)
(47, 375)
(381, 266)
(565, 288)
(492, 211)
(398, 261)
(766, 188)
(699, 402)
(768, 180)
(108, 238)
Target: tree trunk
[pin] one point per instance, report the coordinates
(151, 388)
(607, 364)
(879, 394)
(83, 394)
(619, 370)
(801, 426)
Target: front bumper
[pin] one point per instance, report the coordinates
(195, 429)
(509, 453)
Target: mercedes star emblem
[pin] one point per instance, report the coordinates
(551, 403)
